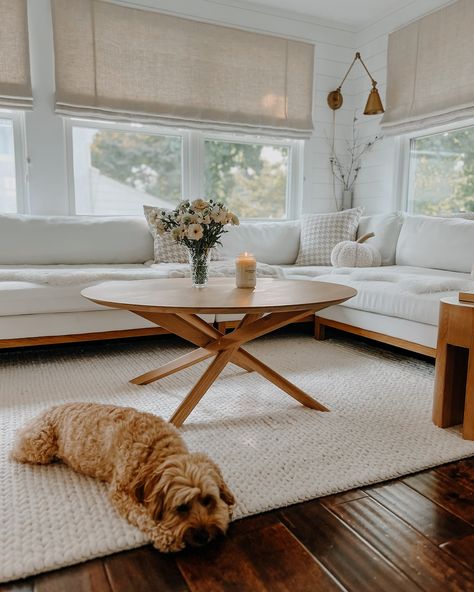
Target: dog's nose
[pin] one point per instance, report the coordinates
(200, 536)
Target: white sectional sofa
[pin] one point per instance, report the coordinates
(46, 261)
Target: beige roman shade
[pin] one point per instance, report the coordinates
(116, 62)
(15, 83)
(430, 78)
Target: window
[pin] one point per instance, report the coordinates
(441, 176)
(118, 168)
(8, 197)
(252, 179)
(116, 171)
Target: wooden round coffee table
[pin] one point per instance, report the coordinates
(175, 305)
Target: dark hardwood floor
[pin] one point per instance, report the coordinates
(414, 533)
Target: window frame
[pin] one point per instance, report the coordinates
(405, 159)
(192, 162)
(19, 152)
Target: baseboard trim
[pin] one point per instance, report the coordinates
(320, 324)
(78, 337)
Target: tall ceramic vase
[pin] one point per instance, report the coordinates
(199, 264)
(347, 199)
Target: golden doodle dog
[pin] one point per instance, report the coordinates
(175, 497)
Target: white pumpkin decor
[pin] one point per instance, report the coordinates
(356, 254)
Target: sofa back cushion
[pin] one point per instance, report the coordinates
(275, 243)
(386, 228)
(51, 240)
(320, 233)
(439, 243)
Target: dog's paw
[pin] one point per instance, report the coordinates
(165, 542)
(165, 546)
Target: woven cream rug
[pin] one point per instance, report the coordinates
(273, 451)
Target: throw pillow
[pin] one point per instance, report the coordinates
(166, 249)
(320, 233)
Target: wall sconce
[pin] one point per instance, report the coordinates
(374, 103)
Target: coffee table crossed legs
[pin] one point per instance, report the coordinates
(224, 349)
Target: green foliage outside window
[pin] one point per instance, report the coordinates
(146, 162)
(443, 173)
(248, 178)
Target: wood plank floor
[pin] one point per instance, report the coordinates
(413, 533)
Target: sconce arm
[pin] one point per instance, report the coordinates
(357, 57)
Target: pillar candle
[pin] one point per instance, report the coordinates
(245, 271)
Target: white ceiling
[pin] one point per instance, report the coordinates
(356, 13)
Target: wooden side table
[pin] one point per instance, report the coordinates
(454, 385)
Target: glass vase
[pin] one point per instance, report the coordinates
(199, 264)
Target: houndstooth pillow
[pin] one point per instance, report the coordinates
(166, 249)
(320, 233)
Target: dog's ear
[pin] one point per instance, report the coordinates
(147, 489)
(225, 493)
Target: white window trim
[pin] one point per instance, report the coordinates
(21, 166)
(193, 159)
(404, 184)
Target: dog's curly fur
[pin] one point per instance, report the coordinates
(174, 496)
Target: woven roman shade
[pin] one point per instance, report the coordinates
(430, 78)
(116, 62)
(15, 83)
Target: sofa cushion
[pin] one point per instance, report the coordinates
(28, 298)
(274, 243)
(57, 289)
(438, 243)
(386, 228)
(397, 291)
(320, 233)
(165, 248)
(50, 240)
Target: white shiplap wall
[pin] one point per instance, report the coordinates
(378, 187)
(334, 48)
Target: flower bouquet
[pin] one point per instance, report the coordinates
(198, 225)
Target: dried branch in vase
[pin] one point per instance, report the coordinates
(345, 168)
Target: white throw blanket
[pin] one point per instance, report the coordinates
(413, 283)
(66, 275)
(80, 275)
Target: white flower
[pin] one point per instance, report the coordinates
(195, 231)
(186, 218)
(206, 220)
(222, 217)
(199, 204)
(234, 220)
